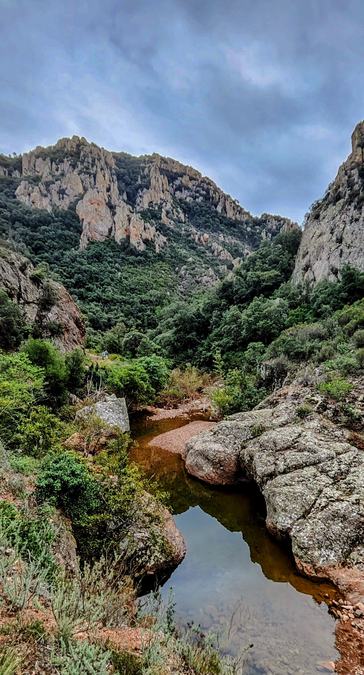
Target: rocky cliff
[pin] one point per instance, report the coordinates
(44, 302)
(333, 233)
(137, 199)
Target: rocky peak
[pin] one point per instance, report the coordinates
(139, 199)
(333, 233)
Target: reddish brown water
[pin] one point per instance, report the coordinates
(236, 580)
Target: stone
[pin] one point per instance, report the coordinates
(111, 410)
(311, 477)
(333, 234)
(153, 546)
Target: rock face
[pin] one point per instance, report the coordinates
(309, 471)
(44, 302)
(140, 200)
(153, 546)
(112, 410)
(333, 233)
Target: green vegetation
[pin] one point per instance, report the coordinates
(166, 342)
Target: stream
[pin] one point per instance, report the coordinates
(236, 580)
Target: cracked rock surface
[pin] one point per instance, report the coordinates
(310, 474)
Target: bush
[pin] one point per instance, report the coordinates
(21, 386)
(75, 362)
(358, 338)
(65, 482)
(360, 357)
(238, 394)
(336, 387)
(40, 433)
(183, 384)
(130, 379)
(344, 364)
(304, 410)
(44, 354)
(12, 324)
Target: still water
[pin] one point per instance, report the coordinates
(235, 580)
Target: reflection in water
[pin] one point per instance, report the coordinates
(228, 580)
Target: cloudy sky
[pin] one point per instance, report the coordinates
(260, 95)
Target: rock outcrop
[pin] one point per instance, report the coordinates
(140, 200)
(333, 233)
(44, 302)
(111, 410)
(153, 546)
(309, 471)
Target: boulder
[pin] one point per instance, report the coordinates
(153, 546)
(111, 410)
(311, 477)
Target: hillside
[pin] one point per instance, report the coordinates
(124, 233)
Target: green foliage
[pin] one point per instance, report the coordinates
(112, 340)
(183, 384)
(12, 324)
(10, 662)
(81, 657)
(344, 364)
(139, 380)
(21, 386)
(358, 338)
(336, 387)
(76, 370)
(238, 394)
(65, 482)
(40, 433)
(44, 354)
(31, 534)
(304, 410)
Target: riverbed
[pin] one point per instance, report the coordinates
(235, 580)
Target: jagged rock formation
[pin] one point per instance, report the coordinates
(333, 233)
(138, 199)
(43, 301)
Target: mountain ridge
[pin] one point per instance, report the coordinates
(135, 199)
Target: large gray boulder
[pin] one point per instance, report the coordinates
(111, 410)
(311, 477)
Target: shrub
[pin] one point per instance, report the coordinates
(304, 410)
(65, 482)
(336, 387)
(12, 324)
(21, 386)
(183, 384)
(130, 379)
(44, 354)
(358, 338)
(360, 357)
(157, 370)
(40, 433)
(344, 364)
(112, 340)
(238, 394)
(75, 362)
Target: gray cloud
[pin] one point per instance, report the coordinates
(260, 96)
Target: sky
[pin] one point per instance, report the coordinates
(261, 96)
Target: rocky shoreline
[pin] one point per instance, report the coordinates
(310, 471)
